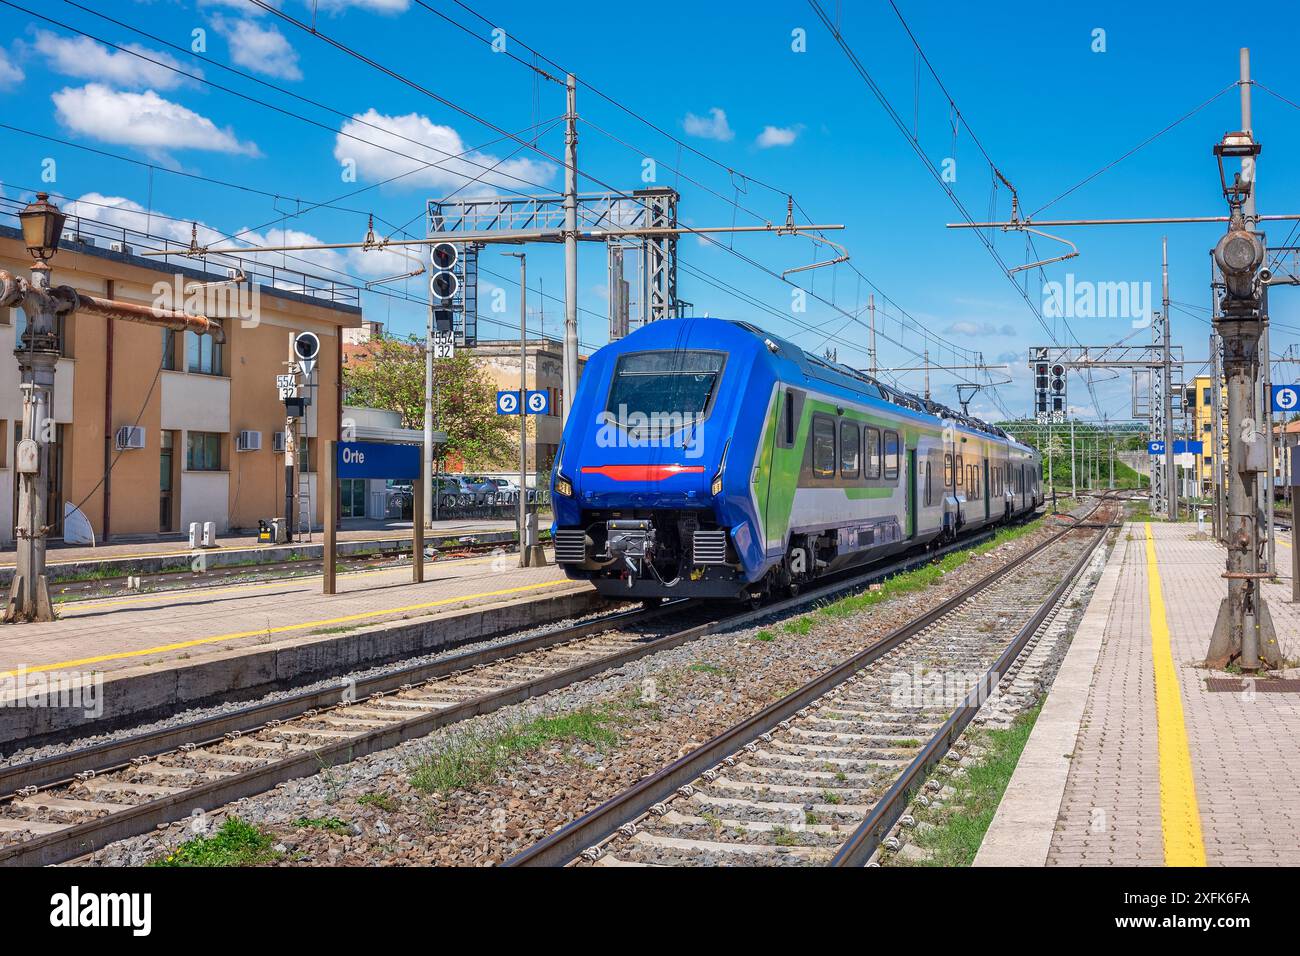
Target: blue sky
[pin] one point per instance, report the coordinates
(721, 78)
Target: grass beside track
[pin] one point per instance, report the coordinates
(236, 843)
(474, 759)
(960, 823)
(908, 581)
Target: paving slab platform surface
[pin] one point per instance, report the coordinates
(1133, 761)
(159, 652)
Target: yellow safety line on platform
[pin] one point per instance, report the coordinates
(168, 596)
(284, 628)
(1180, 816)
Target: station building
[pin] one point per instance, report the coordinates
(157, 429)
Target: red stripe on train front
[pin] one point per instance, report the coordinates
(642, 472)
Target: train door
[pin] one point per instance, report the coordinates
(986, 489)
(776, 505)
(912, 491)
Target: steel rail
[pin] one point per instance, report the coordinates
(858, 848)
(112, 755)
(602, 822)
(79, 839)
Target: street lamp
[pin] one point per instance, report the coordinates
(42, 224)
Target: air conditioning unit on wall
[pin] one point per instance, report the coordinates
(249, 441)
(279, 442)
(130, 436)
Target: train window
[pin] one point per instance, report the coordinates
(873, 453)
(959, 470)
(657, 393)
(947, 470)
(850, 447)
(891, 455)
(789, 418)
(823, 447)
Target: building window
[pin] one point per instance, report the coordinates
(60, 330)
(169, 350)
(203, 355)
(306, 461)
(203, 451)
(1205, 397)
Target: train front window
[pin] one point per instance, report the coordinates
(659, 392)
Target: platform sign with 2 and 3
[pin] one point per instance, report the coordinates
(1286, 398)
(536, 403)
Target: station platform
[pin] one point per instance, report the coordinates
(160, 652)
(67, 562)
(1136, 758)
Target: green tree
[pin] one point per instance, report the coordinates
(390, 375)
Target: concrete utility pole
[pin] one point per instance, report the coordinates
(38, 354)
(1171, 487)
(1244, 627)
(523, 396)
(429, 507)
(871, 342)
(1074, 484)
(570, 376)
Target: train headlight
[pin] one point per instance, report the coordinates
(563, 486)
(716, 488)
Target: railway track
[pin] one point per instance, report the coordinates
(60, 807)
(818, 777)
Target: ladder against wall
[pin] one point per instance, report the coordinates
(305, 510)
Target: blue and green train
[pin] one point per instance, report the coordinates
(707, 458)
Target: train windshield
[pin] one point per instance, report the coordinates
(664, 390)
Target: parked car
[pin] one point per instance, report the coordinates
(484, 489)
(454, 492)
(507, 490)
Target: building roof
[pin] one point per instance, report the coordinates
(97, 240)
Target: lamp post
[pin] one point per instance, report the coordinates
(37, 353)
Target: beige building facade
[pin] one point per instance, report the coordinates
(156, 429)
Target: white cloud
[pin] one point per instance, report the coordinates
(373, 6)
(393, 261)
(11, 74)
(979, 329)
(243, 6)
(128, 214)
(384, 143)
(145, 120)
(713, 126)
(777, 136)
(85, 59)
(261, 49)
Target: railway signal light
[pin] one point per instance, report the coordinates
(444, 283)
